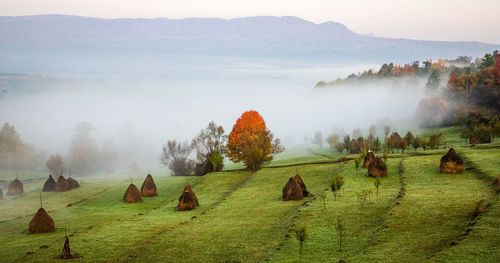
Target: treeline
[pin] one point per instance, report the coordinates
(477, 128)
(415, 68)
(84, 154)
(16, 154)
(478, 83)
(390, 143)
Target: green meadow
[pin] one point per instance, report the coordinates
(418, 215)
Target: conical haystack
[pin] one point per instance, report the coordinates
(49, 184)
(1, 194)
(354, 149)
(302, 185)
(368, 158)
(188, 199)
(61, 185)
(132, 195)
(451, 163)
(292, 190)
(41, 223)
(148, 188)
(377, 168)
(72, 183)
(15, 187)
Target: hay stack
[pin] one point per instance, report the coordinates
(354, 149)
(41, 223)
(148, 188)
(292, 190)
(15, 187)
(368, 158)
(49, 184)
(451, 163)
(377, 168)
(61, 185)
(132, 195)
(1, 194)
(302, 185)
(188, 199)
(72, 183)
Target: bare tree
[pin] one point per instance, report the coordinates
(209, 146)
(55, 164)
(175, 155)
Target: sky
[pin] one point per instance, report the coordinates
(453, 20)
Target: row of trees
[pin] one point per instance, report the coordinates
(392, 143)
(249, 142)
(388, 70)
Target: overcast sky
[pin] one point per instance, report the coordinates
(473, 20)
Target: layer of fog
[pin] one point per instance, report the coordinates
(140, 112)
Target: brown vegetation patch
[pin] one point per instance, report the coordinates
(49, 185)
(474, 140)
(61, 185)
(132, 195)
(451, 163)
(72, 183)
(368, 158)
(202, 168)
(148, 188)
(292, 190)
(302, 185)
(355, 148)
(41, 223)
(1, 194)
(377, 168)
(15, 187)
(188, 199)
(396, 140)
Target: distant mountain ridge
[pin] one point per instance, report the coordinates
(270, 37)
(47, 29)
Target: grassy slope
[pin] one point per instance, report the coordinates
(241, 217)
(361, 222)
(248, 225)
(432, 213)
(484, 235)
(103, 226)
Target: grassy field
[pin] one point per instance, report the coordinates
(419, 214)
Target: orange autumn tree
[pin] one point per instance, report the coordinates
(251, 142)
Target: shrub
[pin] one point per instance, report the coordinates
(338, 182)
